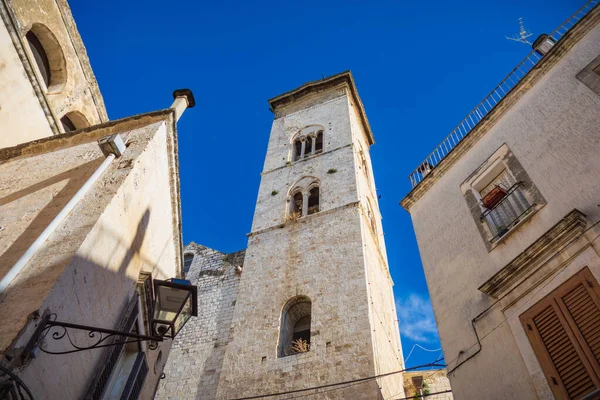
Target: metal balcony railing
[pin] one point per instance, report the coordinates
(507, 213)
(492, 99)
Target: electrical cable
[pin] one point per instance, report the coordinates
(420, 396)
(557, 272)
(338, 383)
(440, 358)
(19, 383)
(421, 347)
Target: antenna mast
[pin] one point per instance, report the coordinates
(523, 34)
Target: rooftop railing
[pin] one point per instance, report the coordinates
(492, 99)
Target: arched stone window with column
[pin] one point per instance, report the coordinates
(303, 198)
(307, 142)
(294, 335)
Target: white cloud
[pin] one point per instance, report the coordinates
(416, 318)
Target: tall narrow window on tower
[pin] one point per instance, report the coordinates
(296, 205)
(294, 335)
(313, 200)
(319, 142)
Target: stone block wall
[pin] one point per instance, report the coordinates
(194, 365)
(434, 381)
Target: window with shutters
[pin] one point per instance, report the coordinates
(564, 331)
(124, 368)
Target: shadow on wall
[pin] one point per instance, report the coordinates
(75, 178)
(86, 293)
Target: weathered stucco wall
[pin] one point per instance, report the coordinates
(554, 132)
(78, 90)
(21, 117)
(195, 361)
(87, 270)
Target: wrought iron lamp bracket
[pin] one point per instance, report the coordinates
(98, 337)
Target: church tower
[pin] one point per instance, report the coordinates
(315, 304)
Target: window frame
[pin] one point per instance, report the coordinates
(53, 51)
(501, 161)
(305, 143)
(590, 75)
(287, 330)
(554, 300)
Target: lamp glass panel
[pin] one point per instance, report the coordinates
(168, 302)
(186, 313)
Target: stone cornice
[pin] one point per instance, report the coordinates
(84, 135)
(545, 247)
(320, 85)
(303, 219)
(310, 157)
(543, 66)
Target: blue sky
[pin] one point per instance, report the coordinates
(420, 67)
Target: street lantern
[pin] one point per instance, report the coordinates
(176, 300)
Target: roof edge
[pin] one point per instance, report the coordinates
(309, 87)
(81, 136)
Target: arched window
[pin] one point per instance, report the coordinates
(74, 120)
(307, 142)
(313, 200)
(48, 57)
(295, 326)
(303, 198)
(187, 262)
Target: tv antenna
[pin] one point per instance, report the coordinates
(523, 34)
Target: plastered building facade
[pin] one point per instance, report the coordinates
(103, 195)
(315, 268)
(47, 85)
(507, 229)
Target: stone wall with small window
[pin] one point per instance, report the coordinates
(193, 369)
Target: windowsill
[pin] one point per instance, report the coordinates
(295, 355)
(306, 157)
(532, 211)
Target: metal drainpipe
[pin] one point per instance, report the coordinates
(112, 146)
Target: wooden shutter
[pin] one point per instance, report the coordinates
(564, 331)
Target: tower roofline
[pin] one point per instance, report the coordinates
(322, 84)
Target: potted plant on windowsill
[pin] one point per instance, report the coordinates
(494, 197)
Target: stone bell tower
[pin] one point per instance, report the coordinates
(315, 304)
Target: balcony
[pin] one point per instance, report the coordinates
(507, 212)
(492, 99)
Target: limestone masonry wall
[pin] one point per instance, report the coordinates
(194, 365)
